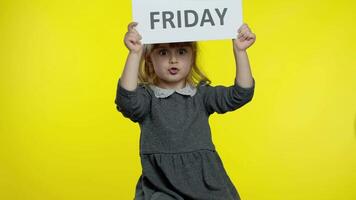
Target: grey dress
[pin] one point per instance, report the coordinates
(178, 157)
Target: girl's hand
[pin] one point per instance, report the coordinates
(132, 39)
(244, 39)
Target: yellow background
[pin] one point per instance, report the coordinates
(61, 137)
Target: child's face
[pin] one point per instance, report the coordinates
(172, 63)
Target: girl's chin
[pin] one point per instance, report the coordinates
(172, 80)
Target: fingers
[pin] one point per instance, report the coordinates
(244, 33)
(133, 38)
(131, 26)
(132, 34)
(243, 26)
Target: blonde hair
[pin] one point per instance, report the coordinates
(147, 74)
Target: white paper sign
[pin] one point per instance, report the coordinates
(163, 21)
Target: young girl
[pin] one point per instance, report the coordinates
(163, 90)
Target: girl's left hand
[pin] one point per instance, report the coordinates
(245, 38)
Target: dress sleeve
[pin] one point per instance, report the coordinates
(133, 104)
(222, 99)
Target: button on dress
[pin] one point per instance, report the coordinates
(178, 158)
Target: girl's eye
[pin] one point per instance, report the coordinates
(182, 51)
(163, 52)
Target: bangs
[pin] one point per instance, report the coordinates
(150, 47)
(181, 44)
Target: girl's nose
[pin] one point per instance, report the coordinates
(173, 59)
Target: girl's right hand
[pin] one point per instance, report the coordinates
(132, 39)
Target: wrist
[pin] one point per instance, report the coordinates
(136, 53)
(239, 51)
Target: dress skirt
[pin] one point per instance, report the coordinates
(197, 175)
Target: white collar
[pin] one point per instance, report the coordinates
(163, 93)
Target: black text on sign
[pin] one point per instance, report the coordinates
(187, 18)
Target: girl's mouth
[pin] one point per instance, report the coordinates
(173, 70)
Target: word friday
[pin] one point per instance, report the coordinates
(190, 18)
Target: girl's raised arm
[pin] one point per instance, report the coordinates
(243, 41)
(132, 101)
(132, 41)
